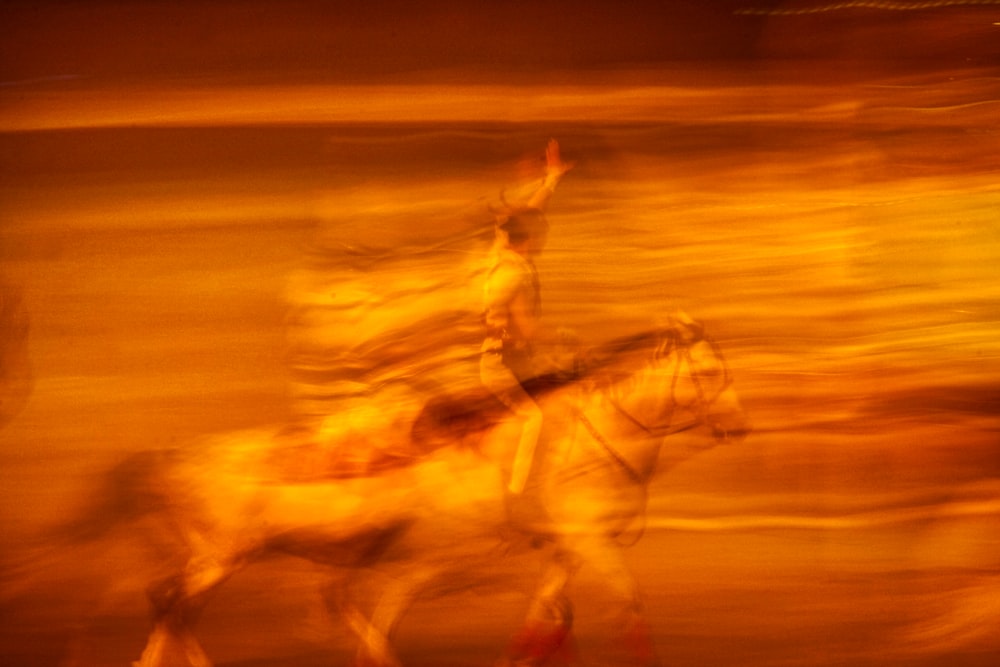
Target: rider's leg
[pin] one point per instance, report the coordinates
(502, 381)
(530, 416)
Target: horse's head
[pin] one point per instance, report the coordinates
(702, 383)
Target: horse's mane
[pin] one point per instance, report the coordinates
(621, 356)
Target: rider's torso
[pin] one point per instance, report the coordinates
(512, 310)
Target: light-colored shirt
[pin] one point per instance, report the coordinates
(512, 301)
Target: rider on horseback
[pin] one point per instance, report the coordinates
(512, 313)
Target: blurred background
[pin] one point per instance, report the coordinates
(208, 210)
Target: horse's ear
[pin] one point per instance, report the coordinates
(685, 328)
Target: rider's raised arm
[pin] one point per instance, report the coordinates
(554, 170)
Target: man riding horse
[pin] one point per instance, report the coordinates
(512, 303)
(383, 379)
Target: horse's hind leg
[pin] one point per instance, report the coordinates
(374, 648)
(165, 641)
(374, 632)
(373, 645)
(163, 597)
(177, 603)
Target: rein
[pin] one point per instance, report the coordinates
(667, 428)
(609, 449)
(664, 428)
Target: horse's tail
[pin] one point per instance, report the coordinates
(128, 492)
(125, 494)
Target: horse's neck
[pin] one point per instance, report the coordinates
(643, 399)
(638, 405)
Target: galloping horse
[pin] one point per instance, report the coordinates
(601, 454)
(436, 517)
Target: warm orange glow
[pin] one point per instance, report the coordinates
(296, 249)
(613, 101)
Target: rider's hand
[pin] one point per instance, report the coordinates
(554, 165)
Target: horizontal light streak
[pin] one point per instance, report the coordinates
(26, 110)
(874, 519)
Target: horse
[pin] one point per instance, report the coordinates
(428, 522)
(601, 454)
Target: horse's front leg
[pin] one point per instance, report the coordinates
(546, 634)
(601, 552)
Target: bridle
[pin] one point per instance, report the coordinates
(704, 400)
(682, 348)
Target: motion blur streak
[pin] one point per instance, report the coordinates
(262, 215)
(610, 102)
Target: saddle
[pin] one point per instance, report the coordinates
(449, 418)
(465, 417)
